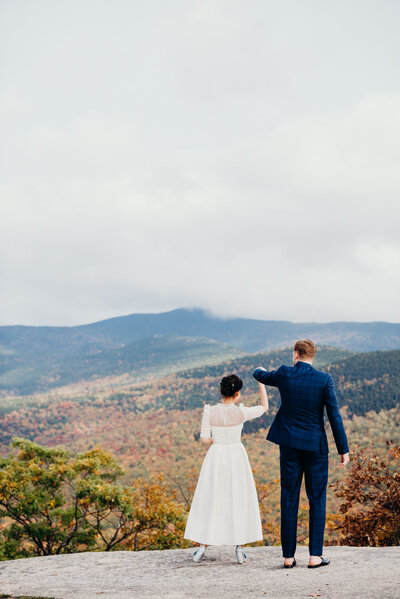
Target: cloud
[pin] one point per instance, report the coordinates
(203, 160)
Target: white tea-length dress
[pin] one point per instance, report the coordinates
(225, 508)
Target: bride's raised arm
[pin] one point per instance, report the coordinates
(264, 396)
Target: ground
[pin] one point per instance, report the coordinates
(357, 572)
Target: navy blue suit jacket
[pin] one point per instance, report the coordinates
(305, 392)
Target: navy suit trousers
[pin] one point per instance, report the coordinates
(293, 463)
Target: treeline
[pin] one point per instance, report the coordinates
(364, 382)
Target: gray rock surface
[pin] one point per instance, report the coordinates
(361, 573)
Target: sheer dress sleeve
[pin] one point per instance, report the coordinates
(205, 423)
(253, 412)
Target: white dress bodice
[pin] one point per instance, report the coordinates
(226, 434)
(224, 422)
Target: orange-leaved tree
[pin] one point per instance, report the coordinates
(268, 510)
(371, 494)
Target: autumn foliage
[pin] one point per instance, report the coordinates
(52, 502)
(370, 512)
(55, 501)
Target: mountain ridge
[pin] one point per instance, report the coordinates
(246, 333)
(36, 358)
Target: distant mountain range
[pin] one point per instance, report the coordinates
(38, 358)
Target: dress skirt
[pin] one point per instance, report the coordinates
(225, 508)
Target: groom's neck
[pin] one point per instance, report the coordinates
(306, 360)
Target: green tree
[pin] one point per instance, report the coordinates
(53, 502)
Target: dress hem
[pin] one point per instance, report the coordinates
(228, 542)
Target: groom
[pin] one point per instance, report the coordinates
(298, 428)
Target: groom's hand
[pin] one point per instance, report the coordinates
(344, 460)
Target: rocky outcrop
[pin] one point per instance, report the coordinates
(360, 573)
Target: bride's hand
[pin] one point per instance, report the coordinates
(264, 396)
(206, 441)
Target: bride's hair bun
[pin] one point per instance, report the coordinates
(230, 384)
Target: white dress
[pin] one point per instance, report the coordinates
(225, 508)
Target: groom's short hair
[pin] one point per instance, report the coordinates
(305, 348)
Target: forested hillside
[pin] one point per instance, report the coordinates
(153, 427)
(364, 382)
(368, 381)
(137, 361)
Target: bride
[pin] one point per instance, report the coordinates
(225, 509)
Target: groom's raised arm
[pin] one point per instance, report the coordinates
(271, 378)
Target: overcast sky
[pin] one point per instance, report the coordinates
(239, 156)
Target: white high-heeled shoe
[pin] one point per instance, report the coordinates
(240, 554)
(199, 553)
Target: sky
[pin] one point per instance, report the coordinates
(237, 156)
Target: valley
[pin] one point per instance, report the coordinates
(143, 403)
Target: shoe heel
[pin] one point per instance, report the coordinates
(199, 553)
(240, 555)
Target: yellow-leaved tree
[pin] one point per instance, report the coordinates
(53, 502)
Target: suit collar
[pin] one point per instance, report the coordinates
(304, 364)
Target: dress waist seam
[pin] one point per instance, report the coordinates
(227, 442)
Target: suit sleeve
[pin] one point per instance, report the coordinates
(271, 378)
(335, 418)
